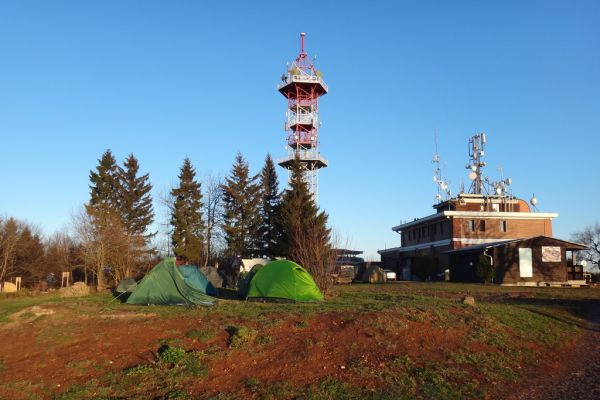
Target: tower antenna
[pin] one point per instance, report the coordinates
(443, 191)
(302, 85)
(476, 152)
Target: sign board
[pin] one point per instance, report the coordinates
(550, 254)
(525, 264)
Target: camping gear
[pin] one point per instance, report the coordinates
(127, 285)
(213, 276)
(167, 283)
(283, 279)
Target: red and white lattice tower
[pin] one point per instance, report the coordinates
(302, 85)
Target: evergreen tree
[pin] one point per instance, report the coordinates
(104, 184)
(269, 208)
(186, 216)
(241, 217)
(305, 237)
(105, 231)
(135, 199)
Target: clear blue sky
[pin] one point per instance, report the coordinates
(170, 79)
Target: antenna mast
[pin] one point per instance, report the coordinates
(442, 185)
(302, 85)
(476, 163)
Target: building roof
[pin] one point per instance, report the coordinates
(477, 247)
(348, 252)
(476, 214)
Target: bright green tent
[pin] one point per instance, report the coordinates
(167, 283)
(283, 279)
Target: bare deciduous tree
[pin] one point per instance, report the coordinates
(590, 237)
(311, 248)
(9, 238)
(105, 245)
(213, 209)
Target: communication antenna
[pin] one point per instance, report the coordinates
(534, 202)
(443, 191)
(475, 166)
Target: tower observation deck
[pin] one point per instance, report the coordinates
(302, 85)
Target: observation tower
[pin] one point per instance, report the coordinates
(302, 85)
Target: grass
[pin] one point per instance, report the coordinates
(241, 337)
(503, 327)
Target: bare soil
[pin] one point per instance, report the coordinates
(49, 348)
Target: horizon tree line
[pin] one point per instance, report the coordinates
(242, 215)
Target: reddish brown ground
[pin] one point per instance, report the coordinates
(56, 351)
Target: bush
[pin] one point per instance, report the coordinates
(485, 269)
(241, 337)
(171, 355)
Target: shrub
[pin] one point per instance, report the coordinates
(242, 336)
(485, 270)
(171, 355)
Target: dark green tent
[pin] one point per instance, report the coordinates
(168, 284)
(283, 279)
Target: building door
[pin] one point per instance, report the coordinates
(406, 270)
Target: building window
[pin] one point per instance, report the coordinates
(503, 226)
(482, 225)
(472, 225)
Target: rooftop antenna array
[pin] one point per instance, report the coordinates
(475, 166)
(443, 190)
(479, 184)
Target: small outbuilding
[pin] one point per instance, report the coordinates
(536, 261)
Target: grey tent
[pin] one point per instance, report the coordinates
(213, 276)
(126, 286)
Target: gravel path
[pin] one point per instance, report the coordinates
(578, 379)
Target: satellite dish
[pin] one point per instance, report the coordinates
(473, 168)
(583, 263)
(533, 201)
(472, 176)
(498, 190)
(438, 196)
(435, 178)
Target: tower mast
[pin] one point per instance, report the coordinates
(302, 85)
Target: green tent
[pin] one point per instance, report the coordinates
(167, 283)
(283, 279)
(244, 285)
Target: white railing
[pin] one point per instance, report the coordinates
(302, 119)
(303, 78)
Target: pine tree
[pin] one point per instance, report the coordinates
(135, 199)
(305, 237)
(106, 232)
(104, 184)
(269, 208)
(186, 216)
(241, 217)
